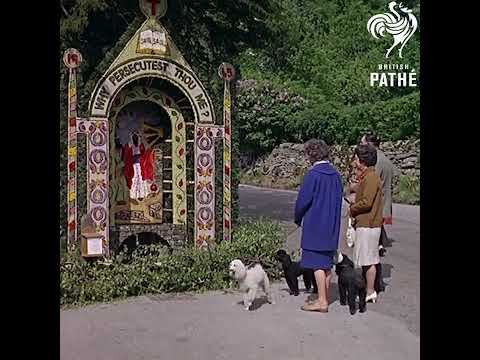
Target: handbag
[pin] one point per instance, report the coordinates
(350, 233)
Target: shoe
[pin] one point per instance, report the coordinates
(372, 297)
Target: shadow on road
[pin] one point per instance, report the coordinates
(257, 303)
(387, 270)
(389, 242)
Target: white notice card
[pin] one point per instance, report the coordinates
(94, 246)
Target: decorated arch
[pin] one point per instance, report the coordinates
(151, 136)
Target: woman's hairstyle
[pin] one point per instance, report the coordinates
(373, 139)
(316, 150)
(367, 155)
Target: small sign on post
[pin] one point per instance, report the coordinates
(92, 240)
(226, 71)
(72, 58)
(92, 245)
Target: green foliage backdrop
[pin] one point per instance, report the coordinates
(321, 54)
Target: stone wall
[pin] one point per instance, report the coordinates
(287, 162)
(174, 235)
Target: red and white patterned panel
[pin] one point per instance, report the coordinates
(97, 178)
(204, 185)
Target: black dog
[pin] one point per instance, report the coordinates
(292, 270)
(350, 284)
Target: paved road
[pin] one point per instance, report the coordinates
(214, 326)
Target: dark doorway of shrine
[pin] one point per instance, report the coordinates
(142, 243)
(151, 162)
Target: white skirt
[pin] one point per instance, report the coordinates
(139, 187)
(365, 250)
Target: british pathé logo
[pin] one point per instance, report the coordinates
(399, 22)
(403, 77)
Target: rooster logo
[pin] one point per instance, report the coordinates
(402, 25)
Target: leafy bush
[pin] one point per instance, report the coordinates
(322, 53)
(271, 113)
(191, 269)
(408, 190)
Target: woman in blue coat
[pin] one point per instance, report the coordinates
(318, 210)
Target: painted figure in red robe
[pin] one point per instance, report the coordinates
(139, 167)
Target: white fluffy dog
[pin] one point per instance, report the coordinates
(250, 280)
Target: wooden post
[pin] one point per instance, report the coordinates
(227, 73)
(72, 59)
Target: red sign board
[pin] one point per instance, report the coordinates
(72, 58)
(226, 71)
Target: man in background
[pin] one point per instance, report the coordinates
(386, 170)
